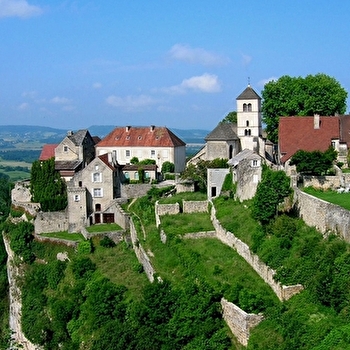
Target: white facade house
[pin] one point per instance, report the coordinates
(157, 143)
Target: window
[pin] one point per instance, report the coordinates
(247, 132)
(147, 175)
(249, 107)
(97, 192)
(127, 153)
(255, 179)
(76, 198)
(136, 175)
(96, 167)
(80, 183)
(96, 177)
(245, 107)
(153, 153)
(255, 163)
(126, 174)
(65, 149)
(165, 153)
(247, 123)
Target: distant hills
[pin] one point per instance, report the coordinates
(33, 137)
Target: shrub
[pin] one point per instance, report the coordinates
(107, 242)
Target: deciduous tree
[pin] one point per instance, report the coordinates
(297, 96)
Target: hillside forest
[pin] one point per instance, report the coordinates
(100, 296)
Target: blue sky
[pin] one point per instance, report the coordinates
(180, 64)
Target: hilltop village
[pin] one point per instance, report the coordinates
(100, 173)
(96, 171)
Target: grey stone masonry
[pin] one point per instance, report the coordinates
(239, 321)
(264, 271)
(325, 217)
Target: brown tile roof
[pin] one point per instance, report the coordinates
(47, 152)
(104, 159)
(135, 167)
(298, 133)
(150, 136)
(345, 129)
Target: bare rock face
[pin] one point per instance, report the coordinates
(18, 339)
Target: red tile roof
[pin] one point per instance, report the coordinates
(47, 152)
(151, 136)
(298, 133)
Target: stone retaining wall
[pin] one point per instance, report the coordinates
(195, 206)
(264, 271)
(324, 216)
(48, 222)
(66, 242)
(141, 255)
(239, 321)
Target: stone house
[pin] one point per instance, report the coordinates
(158, 143)
(91, 193)
(246, 169)
(312, 133)
(74, 152)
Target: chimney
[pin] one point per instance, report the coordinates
(316, 121)
(127, 129)
(69, 133)
(152, 128)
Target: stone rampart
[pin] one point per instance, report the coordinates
(115, 236)
(66, 242)
(141, 255)
(325, 217)
(239, 321)
(121, 218)
(197, 235)
(325, 182)
(195, 206)
(135, 190)
(48, 222)
(264, 271)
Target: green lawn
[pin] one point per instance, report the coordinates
(65, 235)
(186, 223)
(103, 228)
(341, 199)
(186, 196)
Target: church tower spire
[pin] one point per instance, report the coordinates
(249, 117)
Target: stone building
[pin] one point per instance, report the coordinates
(246, 169)
(228, 139)
(152, 142)
(91, 193)
(312, 133)
(74, 152)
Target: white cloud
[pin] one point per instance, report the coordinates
(18, 8)
(29, 94)
(23, 106)
(196, 55)
(131, 103)
(60, 100)
(265, 81)
(97, 85)
(68, 108)
(208, 83)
